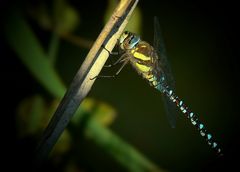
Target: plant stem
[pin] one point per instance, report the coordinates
(124, 153)
(82, 82)
(76, 40)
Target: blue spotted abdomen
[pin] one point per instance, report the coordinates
(193, 118)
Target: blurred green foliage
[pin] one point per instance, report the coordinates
(34, 58)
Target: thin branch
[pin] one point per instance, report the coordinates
(82, 82)
(76, 40)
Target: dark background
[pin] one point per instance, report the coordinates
(201, 38)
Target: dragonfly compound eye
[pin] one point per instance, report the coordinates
(134, 41)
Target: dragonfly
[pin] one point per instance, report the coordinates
(152, 64)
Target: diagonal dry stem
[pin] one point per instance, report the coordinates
(82, 83)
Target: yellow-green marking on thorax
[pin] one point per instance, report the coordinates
(142, 67)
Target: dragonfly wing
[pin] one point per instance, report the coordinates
(161, 51)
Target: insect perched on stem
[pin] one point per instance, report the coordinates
(151, 63)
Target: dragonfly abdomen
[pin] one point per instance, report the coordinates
(193, 118)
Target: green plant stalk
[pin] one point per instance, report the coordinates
(53, 47)
(125, 154)
(31, 53)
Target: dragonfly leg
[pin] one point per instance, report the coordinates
(120, 60)
(116, 74)
(114, 54)
(110, 53)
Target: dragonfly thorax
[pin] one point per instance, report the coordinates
(128, 40)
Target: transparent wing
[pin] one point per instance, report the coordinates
(161, 51)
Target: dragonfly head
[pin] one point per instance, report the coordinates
(128, 40)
